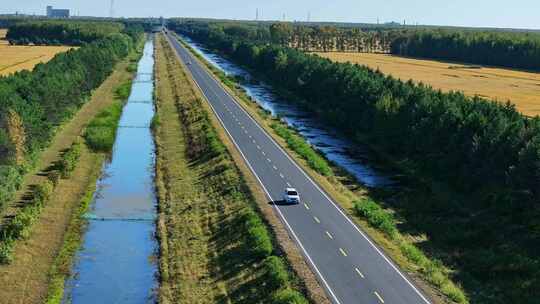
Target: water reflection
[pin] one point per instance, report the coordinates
(115, 264)
(335, 147)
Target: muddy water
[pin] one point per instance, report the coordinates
(115, 263)
(334, 146)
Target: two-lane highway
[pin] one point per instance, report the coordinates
(349, 266)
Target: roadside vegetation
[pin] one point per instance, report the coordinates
(214, 245)
(473, 163)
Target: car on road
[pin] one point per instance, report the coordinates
(291, 196)
(189, 62)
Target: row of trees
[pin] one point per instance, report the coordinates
(484, 150)
(498, 48)
(56, 32)
(507, 49)
(313, 38)
(34, 103)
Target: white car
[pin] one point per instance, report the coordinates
(291, 196)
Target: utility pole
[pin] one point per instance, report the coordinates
(257, 14)
(111, 11)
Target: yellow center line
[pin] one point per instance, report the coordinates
(317, 219)
(378, 296)
(359, 273)
(329, 235)
(307, 207)
(342, 251)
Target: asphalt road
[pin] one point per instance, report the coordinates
(348, 265)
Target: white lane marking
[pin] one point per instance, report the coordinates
(329, 235)
(327, 197)
(269, 160)
(289, 184)
(378, 296)
(244, 131)
(263, 153)
(305, 174)
(275, 168)
(317, 220)
(306, 205)
(250, 136)
(258, 147)
(281, 175)
(360, 273)
(254, 141)
(306, 254)
(342, 252)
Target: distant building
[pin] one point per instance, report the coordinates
(57, 13)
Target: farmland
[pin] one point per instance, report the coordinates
(521, 88)
(16, 58)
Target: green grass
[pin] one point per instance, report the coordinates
(300, 146)
(61, 267)
(19, 227)
(101, 131)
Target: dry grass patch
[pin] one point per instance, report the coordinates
(15, 58)
(521, 88)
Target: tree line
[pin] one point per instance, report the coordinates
(33, 104)
(310, 38)
(484, 150)
(506, 49)
(56, 32)
(484, 47)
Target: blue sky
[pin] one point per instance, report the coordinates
(492, 13)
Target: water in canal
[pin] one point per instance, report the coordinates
(116, 262)
(334, 146)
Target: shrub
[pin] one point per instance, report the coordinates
(376, 216)
(6, 251)
(288, 296)
(300, 146)
(257, 238)
(10, 181)
(101, 132)
(276, 272)
(69, 160)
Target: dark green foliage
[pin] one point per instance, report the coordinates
(288, 296)
(10, 181)
(474, 163)
(101, 131)
(300, 146)
(257, 238)
(507, 49)
(19, 226)
(56, 32)
(276, 272)
(69, 160)
(376, 216)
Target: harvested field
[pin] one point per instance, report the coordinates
(14, 58)
(521, 88)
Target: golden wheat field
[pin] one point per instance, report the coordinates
(521, 88)
(15, 58)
